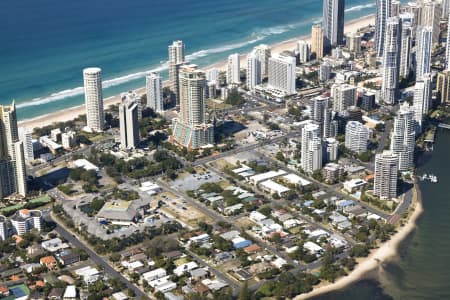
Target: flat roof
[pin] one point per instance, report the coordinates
(295, 179)
(268, 175)
(272, 185)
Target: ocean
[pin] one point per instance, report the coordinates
(45, 44)
(422, 269)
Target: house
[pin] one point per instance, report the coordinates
(184, 268)
(240, 242)
(198, 274)
(35, 250)
(252, 249)
(69, 257)
(353, 185)
(343, 204)
(49, 262)
(119, 296)
(256, 216)
(89, 274)
(344, 225)
(54, 245)
(336, 218)
(232, 209)
(356, 212)
(214, 285)
(200, 288)
(155, 274)
(4, 291)
(279, 262)
(56, 294)
(313, 248)
(229, 235)
(291, 223)
(70, 293)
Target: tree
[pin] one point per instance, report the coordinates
(244, 293)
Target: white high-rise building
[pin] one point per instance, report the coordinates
(282, 73)
(154, 91)
(344, 96)
(263, 53)
(356, 136)
(176, 60)
(385, 181)
(192, 129)
(332, 149)
(430, 16)
(25, 136)
(304, 51)
(93, 96)
(213, 75)
(129, 124)
(12, 156)
(234, 69)
(253, 71)
(405, 49)
(311, 148)
(391, 61)
(3, 228)
(384, 11)
(134, 97)
(422, 100)
(325, 71)
(445, 9)
(423, 51)
(321, 115)
(354, 42)
(68, 139)
(26, 220)
(403, 137)
(333, 22)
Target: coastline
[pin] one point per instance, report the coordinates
(73, 112)
(377, 256)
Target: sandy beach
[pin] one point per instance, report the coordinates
(376, 257)
(73, 112)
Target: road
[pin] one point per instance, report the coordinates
(96, 258)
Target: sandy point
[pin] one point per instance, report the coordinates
(377, 257)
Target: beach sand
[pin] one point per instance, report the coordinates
(386, 251)
(71, 113)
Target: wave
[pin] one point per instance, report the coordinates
(255, 37)
(360, 7)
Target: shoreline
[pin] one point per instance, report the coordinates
(377, 256)
(75, 111)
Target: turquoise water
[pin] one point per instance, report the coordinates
(45, 44)
(422, 268)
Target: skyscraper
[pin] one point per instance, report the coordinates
(354, 42)
(443, 86)
(391, 61)
(26, 138)
(422, 100)
(263, 53)
(176, 59)
(430, 16)
(192, 129)
(403, 137)
(317, 40)
(304, 51)
(12, 157)
(385, 181)
(344, 96)
(356, 136)
(134, 97)
(93, 96)
(423, 51)
(253, 71)
(384, 11)
(282, 73)
(321, 115)
(333, 23)
(405, 49)
(233, 69)
(129, 124)
(447, 46)
(154, 91)
(311, 149)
